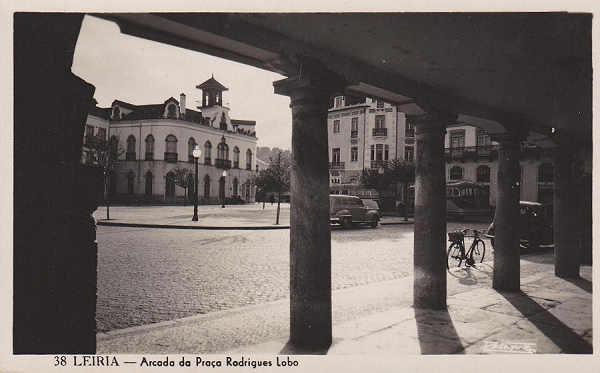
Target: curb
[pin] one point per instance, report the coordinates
(173, 226)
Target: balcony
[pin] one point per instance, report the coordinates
(379, 131)
(379, 163)
(130, 156)
(170, 157)
(473, 153)
(337, 165)
(353, 134)
(223, 163)
(149, 156)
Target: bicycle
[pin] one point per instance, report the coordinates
(457, 253)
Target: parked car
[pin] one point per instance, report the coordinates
(349, 210)
(373, 205)
(536, 228)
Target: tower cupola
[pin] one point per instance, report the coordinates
(212, 92)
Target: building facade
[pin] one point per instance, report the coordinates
(368, 133)
(155, 143)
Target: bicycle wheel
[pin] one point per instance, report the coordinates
(454, 258)
(478, 251)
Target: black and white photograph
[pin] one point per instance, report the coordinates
(298, 190)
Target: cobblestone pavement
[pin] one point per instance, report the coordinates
(151, 275)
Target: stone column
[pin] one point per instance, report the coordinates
(54, 248)
(566, 209)
(429, 289)
(506, 242)
(310, 237)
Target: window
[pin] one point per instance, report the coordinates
(372, 152)
(101, 133)
(483, 174)
(235, 186)
(546, 173)
(116, 113)
(379, 152)
(483, 138)
(171, 147)
(191, 146)
(130, 155)
(148, 177)
(149, 147)
(457, 139)
(206, 187)
(171, 111)
(222, 151)
(89, 131)
(380, 104)
(409, 130)
(386, 153)
(354, 124)
(249, 159)
(207, 152)
(354, 154)
(170, 187)
(236, 157)
(335, 155)
(456, 173)
(336, 126)
(339, 101)
(380, 121)
(409, 154)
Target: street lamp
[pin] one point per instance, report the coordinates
(224, 186)
(196, 153)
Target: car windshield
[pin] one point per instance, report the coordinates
(371, 204)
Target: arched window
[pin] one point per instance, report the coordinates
(206, 187)
(249, 159)
(207, 152)
(113, 146)
(222, 150)
(130, 181)
(149, 147)
(172, 111)
(456, 173)
(546, 173)
(170, 185)
(130, 155)
(171, 149)
(483, 174)
(191, 146)
(236, 157)
(235, 186)
(148, 190)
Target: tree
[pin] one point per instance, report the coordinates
(275, 178)
(391, 174)
(182, 178)
(104, 153)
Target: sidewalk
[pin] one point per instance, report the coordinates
(549, 315)
(251, 216)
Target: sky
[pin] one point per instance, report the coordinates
(141, 72)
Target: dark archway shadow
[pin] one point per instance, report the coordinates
(290, 349)
(436, 333)
(559, 333)
(582, 283)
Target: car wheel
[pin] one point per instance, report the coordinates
(346, 223)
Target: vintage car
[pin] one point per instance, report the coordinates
(535, 223)
(349, 210)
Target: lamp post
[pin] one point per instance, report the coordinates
(224, 186)
(196, 153)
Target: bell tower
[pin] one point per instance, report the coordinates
(212, 92)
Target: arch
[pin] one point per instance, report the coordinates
(456, 173)
(236, 157)
(191, 146)
(546, 173)
(170, 185)
(207, 152)
(235, 186)
(483, 174)
(148, 183)
(130, 182)
(207, 187)
(171, 144)
(222, 150)
(149, 147)
(248, 159)
(130, 155)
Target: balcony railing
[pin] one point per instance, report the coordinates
(223, 163)
(379, 131)
(130, 156)
(337, 165)
(149, 156)
(353, 134)
(379, 164)
(463, 153)
(170, 157)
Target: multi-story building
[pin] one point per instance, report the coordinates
(158, 139)
(367, 133)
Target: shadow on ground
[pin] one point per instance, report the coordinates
(436, 333)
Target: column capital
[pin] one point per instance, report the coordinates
(432, 121)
